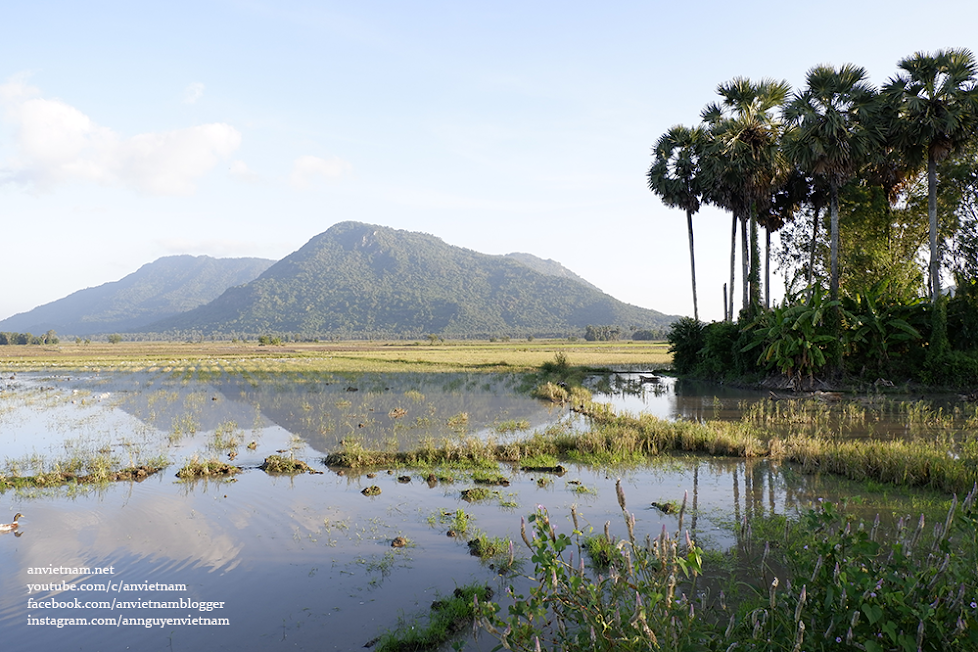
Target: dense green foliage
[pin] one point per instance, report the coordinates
(360, 280)
(880, 337)
(165, 287)
(897, 169)
(825, 582)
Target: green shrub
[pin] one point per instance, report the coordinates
(962, 317)
(720, 355)
(686, 339)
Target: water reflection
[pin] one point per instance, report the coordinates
(306, 562)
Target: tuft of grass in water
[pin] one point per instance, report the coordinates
(80, 467)
(285, 465)
(666, 506)
(457, 521)
(490, 478)
(476, 494)
(448, 616)
(511, 426)
(539, 462)
(483, 546)
(551, 392)
(226, 437)
(212, 468)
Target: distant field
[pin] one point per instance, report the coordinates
(464, 355)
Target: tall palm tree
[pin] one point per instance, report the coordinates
(744, 159)
(781, 208)
(675, 176)
(937, 113)
(831, 133)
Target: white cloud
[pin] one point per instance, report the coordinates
(308, 170)
(56, 143)
(193, 93)
(241, 171)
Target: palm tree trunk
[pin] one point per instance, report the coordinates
(754, 282)
(767, 268)
(811, 253)
(834, 250)
(745, 261)
(692, 262)
(935, 261)
(733, 259)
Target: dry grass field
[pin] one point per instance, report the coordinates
(466, 355)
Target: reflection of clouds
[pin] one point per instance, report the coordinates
(155, 527)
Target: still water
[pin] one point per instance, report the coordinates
(306, 562)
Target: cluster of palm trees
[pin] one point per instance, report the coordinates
(765, 152)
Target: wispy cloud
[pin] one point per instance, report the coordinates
(57, 144)
(193, 93)
(221, 247)
(307, 171)
(240, 170)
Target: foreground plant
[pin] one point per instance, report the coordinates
(912, 590)
(449, 615)
(568, 607)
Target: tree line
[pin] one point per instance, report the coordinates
(49, 337)
(769, 156)
(873, 189)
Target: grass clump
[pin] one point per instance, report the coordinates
(476, 494)
(484, 547)
(490, 478)
(448, 616)
(81, 467)
(458, 521)
(285, 465)
(511, 426)
(198, 468)
(602, 552)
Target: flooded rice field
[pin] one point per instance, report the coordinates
(306, 562)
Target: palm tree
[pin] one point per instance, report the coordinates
(831, 133)
(675, 176)
(744, 160)
(937, 112)
(781, 208)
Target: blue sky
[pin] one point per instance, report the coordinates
(130, 131)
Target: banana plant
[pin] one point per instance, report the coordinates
(794, 337)
(878, 326)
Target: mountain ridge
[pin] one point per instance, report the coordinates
(362, 280)
(158, 289)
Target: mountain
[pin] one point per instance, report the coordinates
(361, 280)
(160, 289)
(549, 267)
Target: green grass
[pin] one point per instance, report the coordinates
(210, 468)
(79, 467)
(476, 494)
(458, 521)
(448, 616)
(285, 465)
(602, 552)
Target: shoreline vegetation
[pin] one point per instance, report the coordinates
(934, 462)
(615, 439)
